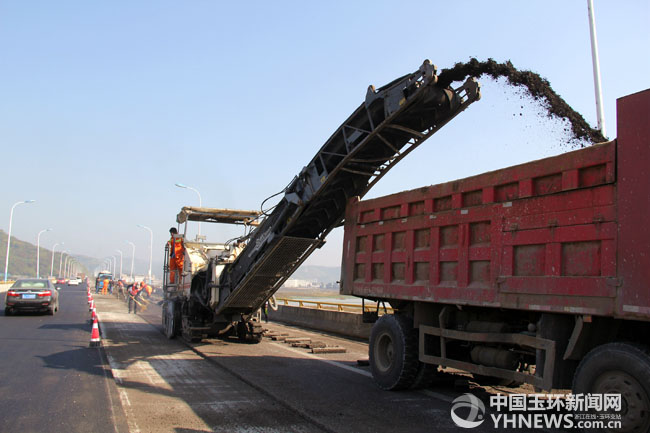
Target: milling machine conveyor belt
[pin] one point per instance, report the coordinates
(392, 121)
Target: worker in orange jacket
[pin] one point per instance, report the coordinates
(134, 296)
(176, 254)
(105, 287)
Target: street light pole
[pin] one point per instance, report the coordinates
(132, 257)
(11, 218)
(596, 67)
(65, 265)
(114, 266)
(38, 251)
(181, 185)
(121, 259)
(150, 248)
(52, 265)
(61, 261)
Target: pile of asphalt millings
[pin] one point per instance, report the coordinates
(538, 88)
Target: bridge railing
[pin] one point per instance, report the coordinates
(336, 306)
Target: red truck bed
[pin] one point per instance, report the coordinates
(570, 233)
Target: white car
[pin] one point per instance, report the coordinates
(74, 281)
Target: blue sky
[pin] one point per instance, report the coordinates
(105, 105)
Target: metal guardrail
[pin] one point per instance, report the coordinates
(334, 306)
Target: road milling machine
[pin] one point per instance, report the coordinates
(221, 287)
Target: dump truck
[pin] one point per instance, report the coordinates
(222, 291)
(537, 273)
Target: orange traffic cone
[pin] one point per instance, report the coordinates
(90, 297)
(95, 340)
(93, 316)
(92, 305)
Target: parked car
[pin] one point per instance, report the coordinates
(32, 295)
(74, 281)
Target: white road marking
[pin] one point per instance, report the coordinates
(124, 397)
(110, 399)
(327, 361)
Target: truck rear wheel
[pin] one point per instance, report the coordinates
(393, 352)
(619, 368)
(170, 319)
(425, 376)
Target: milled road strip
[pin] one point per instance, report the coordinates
(137, 376)
(433, 394)
(249, 371)
(167, 386)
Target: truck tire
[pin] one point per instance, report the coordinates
(425, 376)
(170, 319)
(619, 368)
(393, 353)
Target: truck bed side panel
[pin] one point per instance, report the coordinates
(538, 236)
(633, 158)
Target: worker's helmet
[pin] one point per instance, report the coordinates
(173, 230)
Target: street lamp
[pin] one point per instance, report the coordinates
(132, 257)
(71, 265)
(11, 217)
(596, 67)
(121, 259)
(52, 265)
(61, 261)
(150, 247)
(65, 265)
(180, 185)
(114, 266)
(38, 251)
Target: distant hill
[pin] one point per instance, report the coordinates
(22, 258)
(322, 274)
(22, 263)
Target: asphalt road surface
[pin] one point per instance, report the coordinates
(139, 381)
(50, 380)
(228, 386)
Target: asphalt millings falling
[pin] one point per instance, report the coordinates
(537, 87)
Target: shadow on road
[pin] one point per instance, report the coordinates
(66, 326)
(80, 358)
